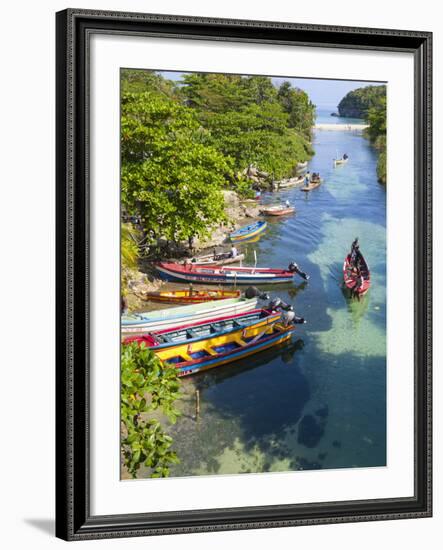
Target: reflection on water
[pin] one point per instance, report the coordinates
(318, 401)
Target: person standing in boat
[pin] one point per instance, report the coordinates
(355, 251)
(307, 178)
(234, 251)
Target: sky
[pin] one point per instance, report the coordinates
(322, 92)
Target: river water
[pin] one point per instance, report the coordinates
(320, 401)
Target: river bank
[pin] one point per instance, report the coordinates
(239, 212)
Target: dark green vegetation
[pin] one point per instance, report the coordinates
(182, 143)
(377, 134)
(147, 386)
(370, 103)
(356, 104)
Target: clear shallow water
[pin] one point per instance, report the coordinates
(324, 117)
(318, 402)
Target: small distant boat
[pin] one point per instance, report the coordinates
(291, 182)
(220, 350)
(342, 160)
(190, 296)
(313, 185)
(350, 275)
(224, 258)
(195, 332)
(138, 323)
(277, 210)
(248, 232)
(223, 274)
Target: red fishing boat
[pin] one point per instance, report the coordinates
(356, 275)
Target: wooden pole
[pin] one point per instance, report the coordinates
(197, 403)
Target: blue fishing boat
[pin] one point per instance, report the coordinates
(248, 232)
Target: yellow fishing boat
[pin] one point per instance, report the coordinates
(220, 350)
(190, 296)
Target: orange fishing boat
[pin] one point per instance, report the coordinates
(190, 296)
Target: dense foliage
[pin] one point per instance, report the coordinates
(129, 253)
(147, 388)
(376, 132)
(357, 103)
(182, 143)
(370, 103)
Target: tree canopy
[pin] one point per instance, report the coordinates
(183, 142)
(358, 102)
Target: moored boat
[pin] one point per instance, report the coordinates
(195, 332)
(340, 161)
(313, 185)
(356, 275)
(138, 323)
(224, 349)
(224, 258)
(248, 231)
(224, 274)
(277, 210)
(291, 182)
(190, 296)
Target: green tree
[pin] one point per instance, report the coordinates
(358, 102)
(376, 132)
(170, 175)
(147, 388)
(298, 106)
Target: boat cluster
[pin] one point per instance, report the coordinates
(214, 327)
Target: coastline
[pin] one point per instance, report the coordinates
(340, 127)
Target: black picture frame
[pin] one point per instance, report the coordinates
(73, 518)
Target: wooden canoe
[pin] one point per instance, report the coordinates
(195, 332)
(227, 348)
(190, 296)
(248, 231)
(311, 186)
(350, 275)
(277, 210)
(340, 161)
(218, 259)
(223, 274)
(291, 182)
(138, 323)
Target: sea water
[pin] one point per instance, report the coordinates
(319, 401)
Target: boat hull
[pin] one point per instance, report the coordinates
(227, 276)
(216, 352)
(175, 317)
(187, 296)
(277, 212)
(198, 332)
(311, 186)
(248, 232)
(349, 279)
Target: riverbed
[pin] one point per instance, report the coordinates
(320, 401)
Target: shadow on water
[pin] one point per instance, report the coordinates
(319, 402)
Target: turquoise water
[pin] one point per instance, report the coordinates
(323, 116)
(320, 401)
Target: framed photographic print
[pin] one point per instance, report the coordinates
(243, 274)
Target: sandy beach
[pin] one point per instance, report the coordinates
(341, 127)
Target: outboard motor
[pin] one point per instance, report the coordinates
(276, 303)
(293, 268)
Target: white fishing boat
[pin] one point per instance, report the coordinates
(138, 323)
(224, 258)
